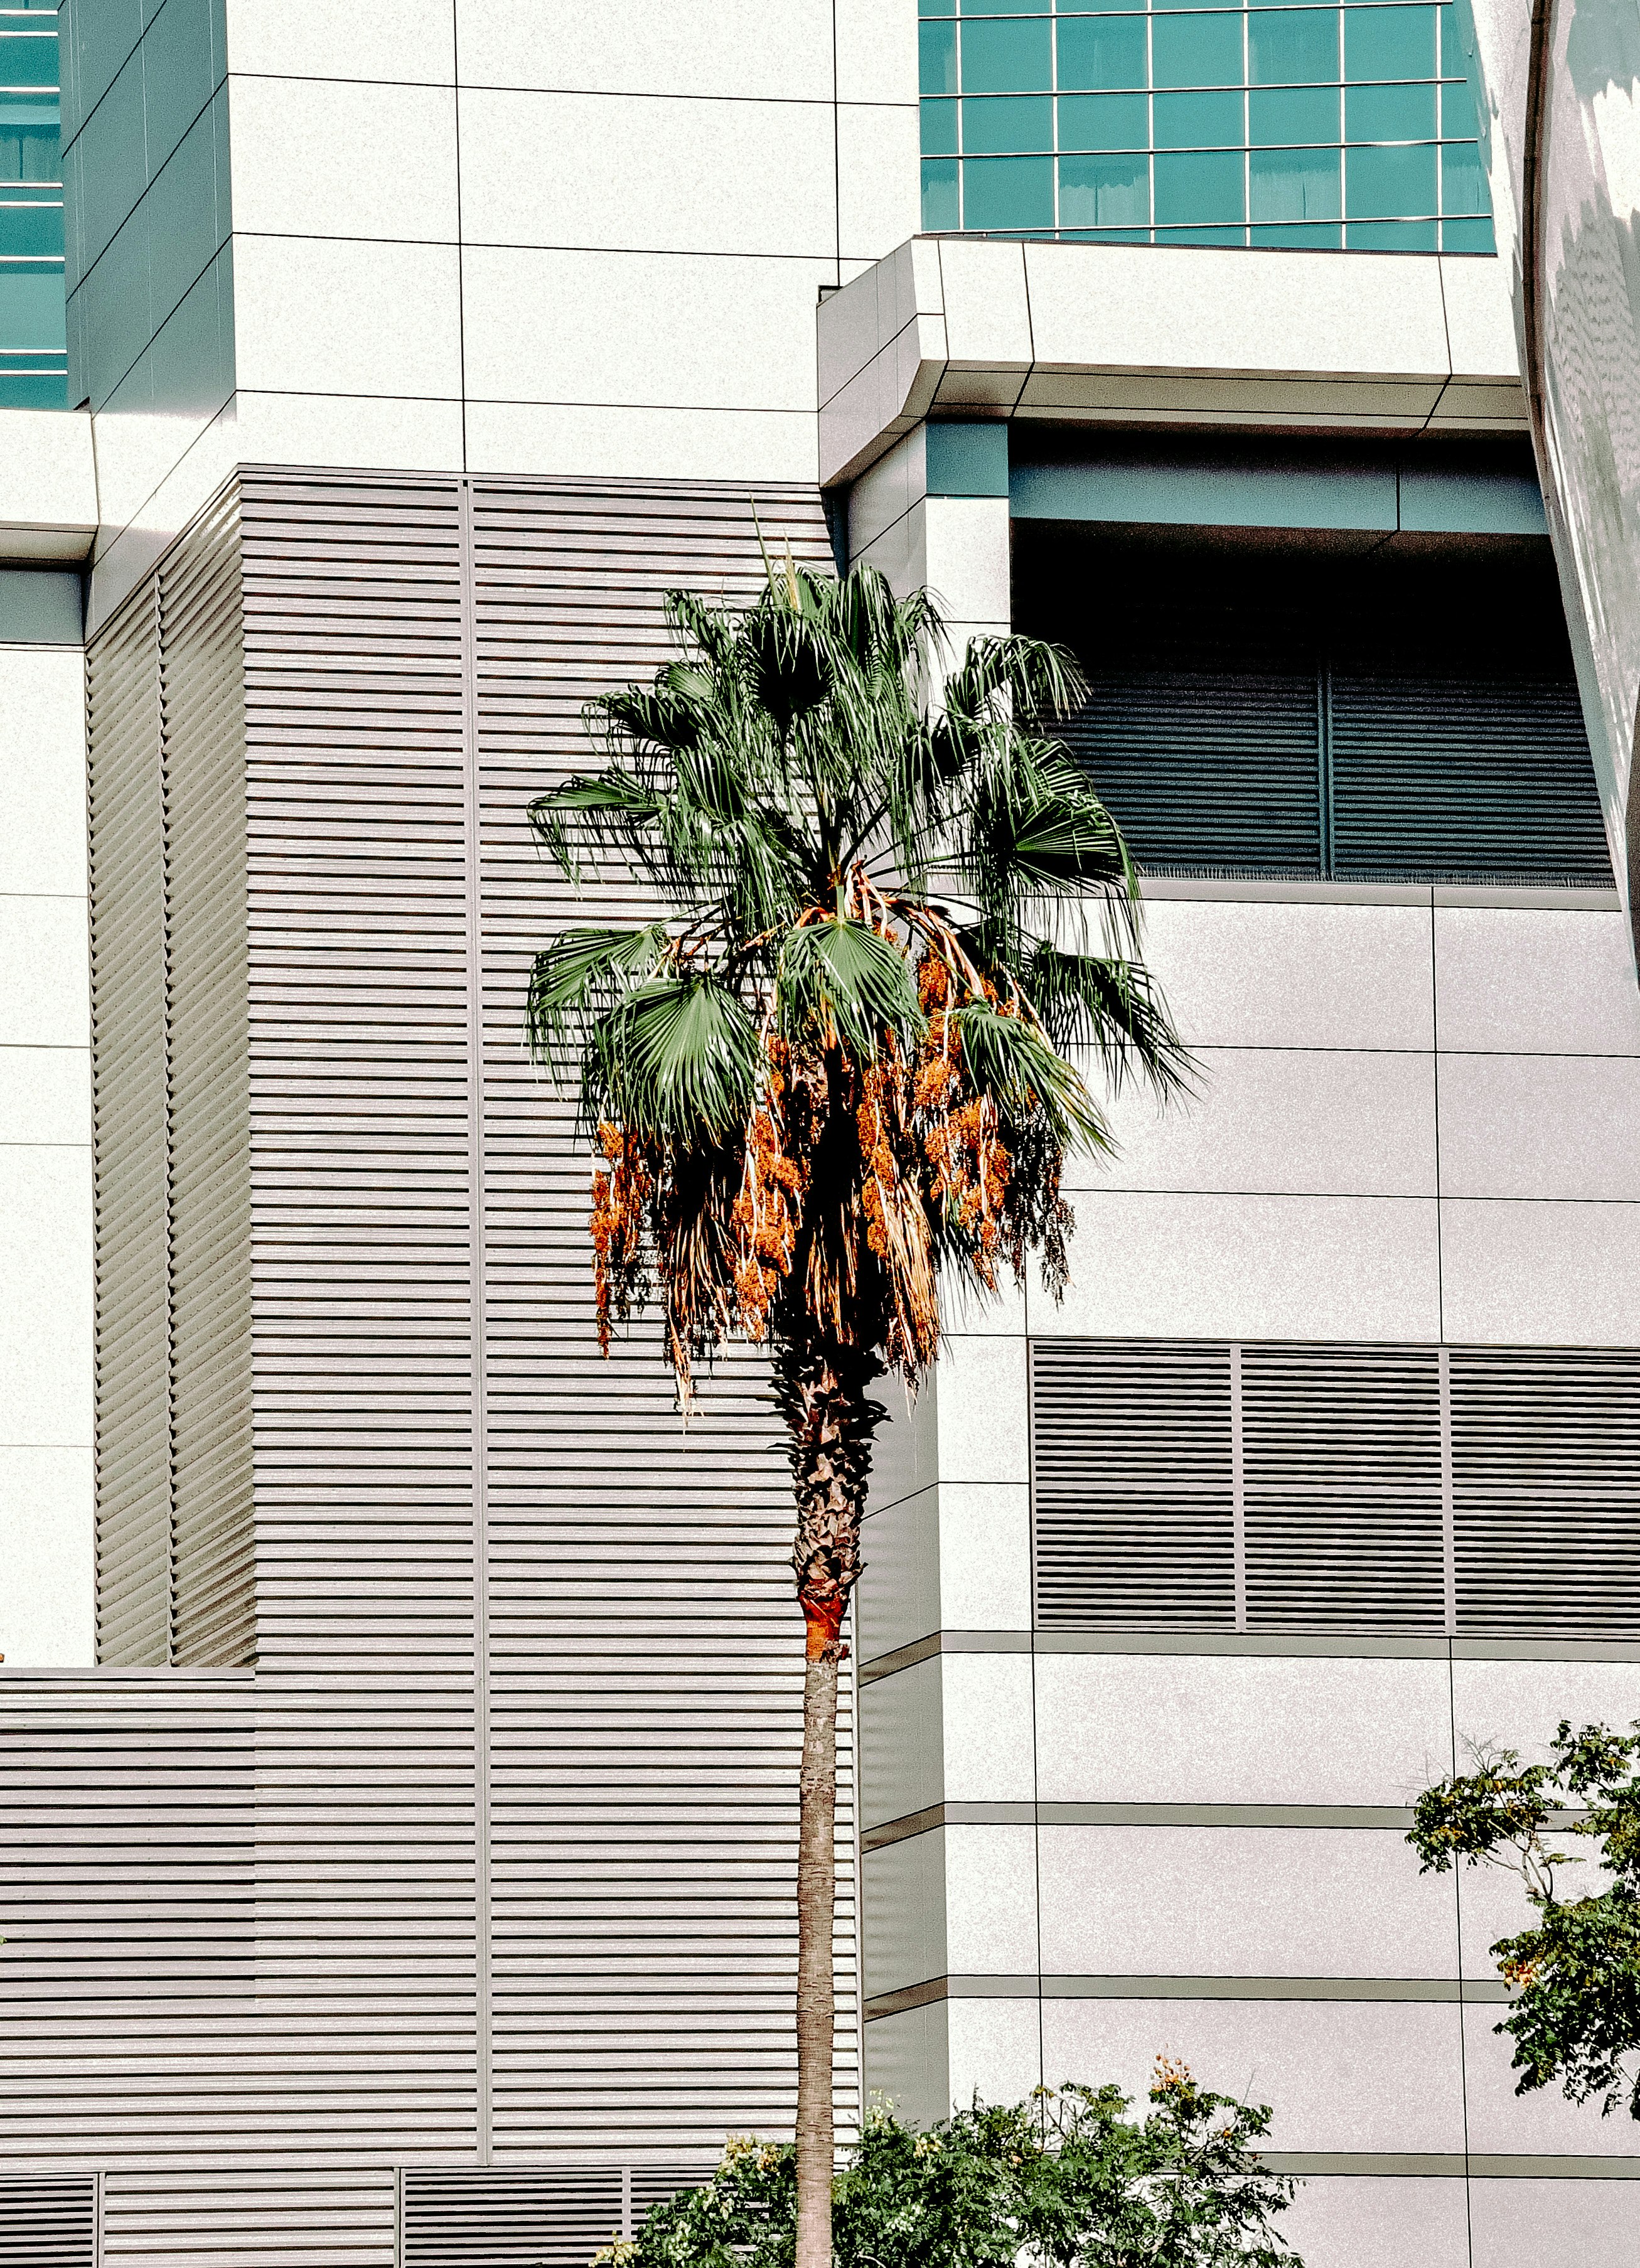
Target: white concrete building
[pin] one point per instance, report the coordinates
(403, 1805)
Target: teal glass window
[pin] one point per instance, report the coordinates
(1107, 195)
(1196, 122)
(1007, 123)
(936, 58)
(1204, 187)
(940, 128)
(1283, 115)
(33, 339)
(1385, 42)
(1096, 51)
(1011, 55)
(1011, 194)
(1348, 126)
(1292, 47)
(1196, 50)
(941, 205)
(1389, 114)
(1292, 186)
(1104, 122)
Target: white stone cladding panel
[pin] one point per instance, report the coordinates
(1340, 2075)
(45, 1492)
(1240, 1728)
(1252, 1902)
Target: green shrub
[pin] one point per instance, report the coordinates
(1064, 2180)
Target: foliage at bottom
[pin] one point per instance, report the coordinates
(1065, 2179)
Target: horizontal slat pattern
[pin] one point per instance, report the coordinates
(1133, 1485)
(362, 1348)
(1451, 779)
(48, 2224)
(1546, 1487)
(507, 2218)
(1342, 1454)
(1207, 771)
(202, 722)
(647, 1663)
(130, 1140)
(1391, 718)
(1138, 1446)
(127, 1977)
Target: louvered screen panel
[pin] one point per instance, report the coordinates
(1207, 771)
(1456, 778)
(546, 2217)
(48, 2224)
(1133, 1485)
(368, 1869)
(129, 1137)
(646, 1685)
(1341, 1466)
(1546, 1482)
(126, 1977)
(202, 724)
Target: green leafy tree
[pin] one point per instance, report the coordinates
(1576, 1972)
(839, 1069)
(1063, 2180)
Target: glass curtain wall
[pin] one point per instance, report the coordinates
(1310, 129)
(34, 362)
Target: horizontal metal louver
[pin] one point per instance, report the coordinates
(528, 2216)
(1342, 1486)
(1397, 719)
(1311, 1486)
(1450, 779)
(1204, 769)
(1546, 1487)
(1134, 1497)
(48, 2223)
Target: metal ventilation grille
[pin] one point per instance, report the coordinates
(1381, 720)
(1545, 1485)
(1341, 1460)
(1487, 1492)
(1134, 1494)
(48, 2224)
(1448, 778)
(1207, 769)
(528, 2217)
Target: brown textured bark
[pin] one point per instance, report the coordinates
(830, 1419)
(817, 1894)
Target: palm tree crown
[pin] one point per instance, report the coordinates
(839, 1064)
(816, 1085)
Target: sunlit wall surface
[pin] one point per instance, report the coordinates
(33, 355)
(1313, 129)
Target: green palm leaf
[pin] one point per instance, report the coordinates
(849, 985)
(678, 1057)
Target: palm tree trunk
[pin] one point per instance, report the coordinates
(817, 1894)
(821, 1386)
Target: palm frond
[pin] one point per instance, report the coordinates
(844, 983)
(1011, 1060)
(677, 1057)
(1114, 1008)
(581, 975)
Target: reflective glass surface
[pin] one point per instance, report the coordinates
(1347, 127)
(33, 354)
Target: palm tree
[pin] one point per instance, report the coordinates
(818, 1088)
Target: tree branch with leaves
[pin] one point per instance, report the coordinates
(841, 1070)
(1576, 1972)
